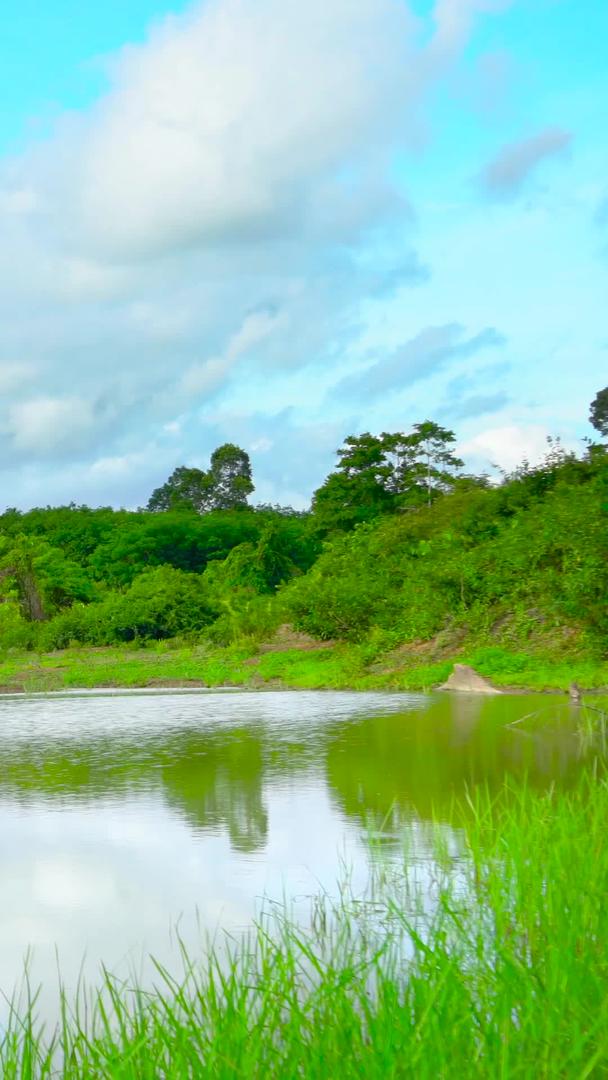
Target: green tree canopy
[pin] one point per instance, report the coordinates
(224, 486)
(598, 414)
(186, 489)
(230, 477)
(42, 577)
(377, 474)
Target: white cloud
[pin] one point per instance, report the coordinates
(454, 19)
(172, 427)
(217, 128)
(506, 446)
(42, 424)
(16, 201)
(262, 446)
(116, 468)
(13, 375)
(209, 375)
(221, 215)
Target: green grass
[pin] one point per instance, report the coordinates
(341, 667)
(126, 667)
(538, 671)
(507, 976)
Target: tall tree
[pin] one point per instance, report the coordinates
(359, 489)
(598, 414)
(430, 465)
(224, 486)
(18, 563)
(377, 474)
(186, 489)
(230, 476)
(43, 577)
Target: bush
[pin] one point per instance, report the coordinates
(15, 631)
(464, 561)
(160, 603)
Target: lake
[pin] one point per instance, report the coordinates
(129, 815)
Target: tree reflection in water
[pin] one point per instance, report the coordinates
(381, 768)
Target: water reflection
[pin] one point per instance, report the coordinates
(216, 782)
(214, 756)
(121, 814)
(397, 766)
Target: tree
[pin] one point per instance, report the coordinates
(230, 476)
(430, 465)
(598, 414)
(186, 489)
(18, 565)
(43, 577)
(378, 474)
(225, 486)
(360, 488)
(345, 501)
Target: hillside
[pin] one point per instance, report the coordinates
(513, 576)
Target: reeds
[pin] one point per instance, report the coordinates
(500, 969)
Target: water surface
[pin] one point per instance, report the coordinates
(125, 815)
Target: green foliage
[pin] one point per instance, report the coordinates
(82, 578)
(183, 540)
(161, 603)
(243, 584)
(231, 658)
(379, 474)
(534, 549)
(16, 632)
(493, 660)
(230, 473)
(186, 489)
(92, 588)
(225, 486)
(246, 617)
(260, 567)
(599, 412)
(503, 974)
(42, 577)
(412, 552)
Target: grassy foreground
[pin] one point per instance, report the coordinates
(505, 974)
(336, 667)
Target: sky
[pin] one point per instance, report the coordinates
(281, 222)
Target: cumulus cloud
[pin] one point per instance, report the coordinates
(505, 175)
(42, 424)
(427, 353)
(221, 214)
(454, 19)
(13, 375)
(506, 447)
(219, 129)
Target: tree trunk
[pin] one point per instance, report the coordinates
(31, 599)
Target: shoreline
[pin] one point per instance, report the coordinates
(253, 667)
(194, 686)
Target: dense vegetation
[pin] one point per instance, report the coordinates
(400, 548)
(503, 974)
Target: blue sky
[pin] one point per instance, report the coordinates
(278, 223)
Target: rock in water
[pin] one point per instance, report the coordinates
(466, 679)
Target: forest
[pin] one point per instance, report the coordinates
(399, 548)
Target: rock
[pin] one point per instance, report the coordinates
(575, 694)
(466, 679)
